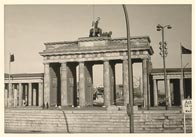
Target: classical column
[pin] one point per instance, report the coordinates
(15, 90)
(88, 83)
(125, 82)
(155, 92)
(81, 84)
(72, 84)
(40, 94)
(64, 91)
(46, 85)
(172, 93)
(29, 94)
(145, 87)
(20, 94)
(6, 97)
(106, 76)
(10, 95)
(112, 83)
(169, 92)
(34, 91)
(181, 91)
(26, 93)
(148, 85)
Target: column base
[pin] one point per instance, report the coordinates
(116, 108)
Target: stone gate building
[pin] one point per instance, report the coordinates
(62, 58)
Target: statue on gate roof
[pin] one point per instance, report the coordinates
(95, 31)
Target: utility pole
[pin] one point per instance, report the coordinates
(163, 53)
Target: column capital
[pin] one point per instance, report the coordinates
(63, 62)
(19, 84)
(45, 63)
(106, 60)
(155, 79)
(63, 65)
(144, 59)
(81, 61)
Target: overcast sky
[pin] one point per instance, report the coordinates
(27, 27)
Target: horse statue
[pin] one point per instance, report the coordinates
(107, 34)
(95, 31)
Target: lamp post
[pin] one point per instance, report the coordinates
(130, 74)
(163, 53)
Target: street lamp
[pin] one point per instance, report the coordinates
(130, 74)
(163, 53)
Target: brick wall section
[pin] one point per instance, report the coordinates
(85, 121)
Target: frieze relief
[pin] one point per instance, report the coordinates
(96, 56)
(61, 47)
(110, 43)
(175, 76)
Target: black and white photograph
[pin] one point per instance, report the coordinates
(97, 68)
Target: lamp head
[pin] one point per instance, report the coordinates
(169, 27)
(158, 26)
(158, 29)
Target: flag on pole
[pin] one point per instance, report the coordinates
(182, 90)
(12, 58)
(185, 50)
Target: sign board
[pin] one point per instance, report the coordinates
(187, 106)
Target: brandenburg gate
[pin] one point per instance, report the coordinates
(62, 58)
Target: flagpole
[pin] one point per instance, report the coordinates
(9, 83)
(181, 84)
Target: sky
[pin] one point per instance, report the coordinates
(28, 27)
